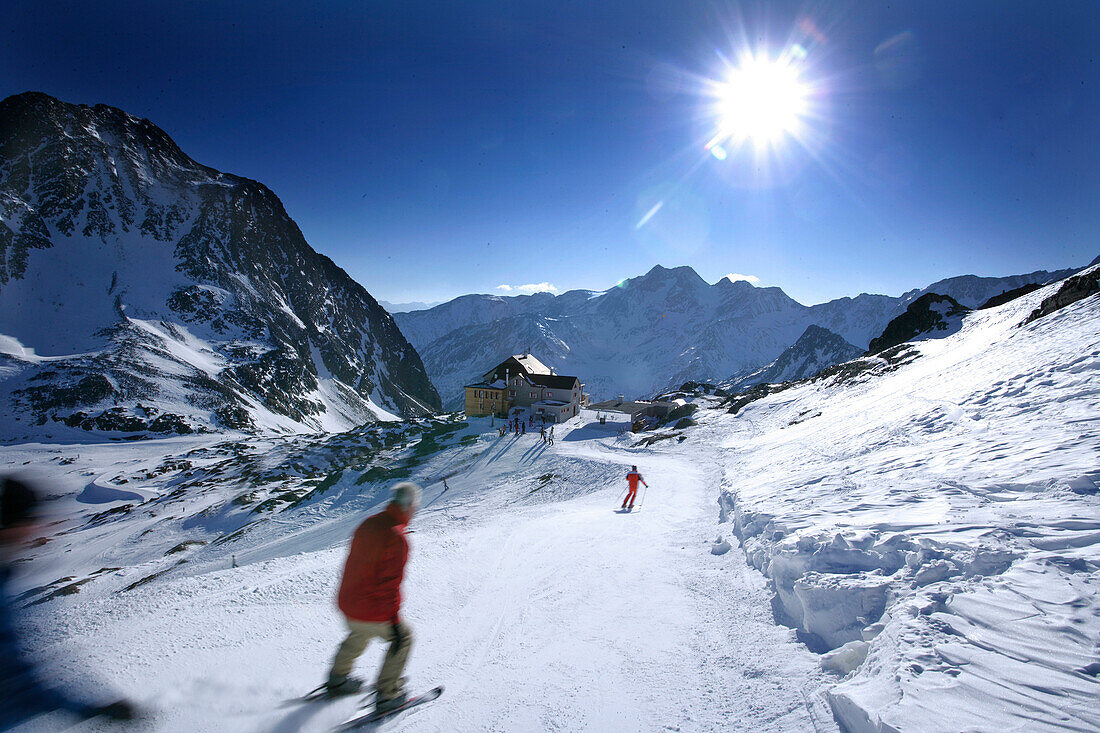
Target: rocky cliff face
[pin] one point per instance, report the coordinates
(140, 290)
(929, 316)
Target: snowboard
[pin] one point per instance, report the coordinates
(373, 718)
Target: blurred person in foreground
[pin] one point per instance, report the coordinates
(22, 694)
(370, 599)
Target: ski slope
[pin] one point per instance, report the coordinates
(925, 522)
(535, 603)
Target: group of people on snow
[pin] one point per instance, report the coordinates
(519, 426)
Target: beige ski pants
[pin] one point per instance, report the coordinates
(360, 633)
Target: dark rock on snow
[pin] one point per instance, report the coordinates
(925, 315)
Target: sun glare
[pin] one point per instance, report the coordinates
(762, 100)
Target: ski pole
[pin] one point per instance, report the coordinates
(640, 503)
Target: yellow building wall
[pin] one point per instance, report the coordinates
(484, 406)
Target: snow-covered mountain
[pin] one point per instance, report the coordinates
(140, 290)
(406, 307)
(661, 329)
(815, 350)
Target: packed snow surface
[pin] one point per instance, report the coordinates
(534, 602)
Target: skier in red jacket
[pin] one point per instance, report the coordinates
(370, 599)
(632, 480)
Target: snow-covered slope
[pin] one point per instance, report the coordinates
(140, 290)
(933, 514)
(815, 350)
(650, 332)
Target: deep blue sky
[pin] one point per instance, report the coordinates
(436, 149)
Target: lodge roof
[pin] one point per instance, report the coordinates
(517, 364)
(499, 384)
(552, 381)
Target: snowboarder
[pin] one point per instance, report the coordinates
(23, 695)
(370, 599)
(632, 480)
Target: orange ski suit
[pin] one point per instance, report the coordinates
(632, 480)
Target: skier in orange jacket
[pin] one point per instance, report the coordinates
(632, 480)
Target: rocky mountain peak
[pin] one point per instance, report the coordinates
(188, 289)
(659, 276)
(816, 349)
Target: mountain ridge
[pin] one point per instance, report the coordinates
(190, 290)
(659, 329)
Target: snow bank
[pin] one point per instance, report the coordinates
(935, 530)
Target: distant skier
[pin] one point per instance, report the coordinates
(632, 480)
(370, 599)
(542, 433)
(22, 694)
(550, 435)
(522, 428)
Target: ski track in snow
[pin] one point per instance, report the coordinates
(538, 609)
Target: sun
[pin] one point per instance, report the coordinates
(761, 100)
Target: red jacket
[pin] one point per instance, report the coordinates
(370, 589)
(633, 478)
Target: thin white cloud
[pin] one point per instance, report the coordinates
(735, 276)
(529, 288)
(537, 288)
